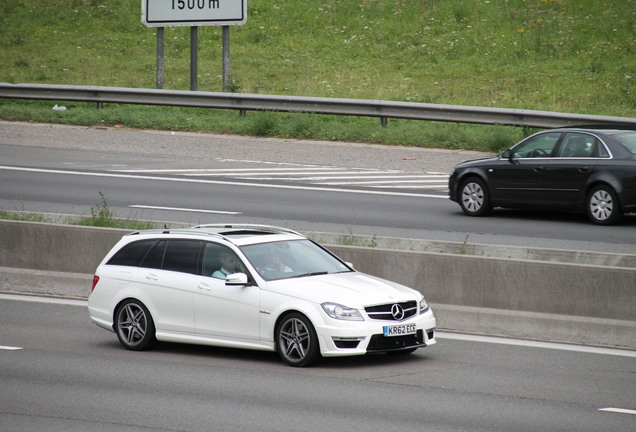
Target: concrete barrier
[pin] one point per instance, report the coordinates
(566, 302)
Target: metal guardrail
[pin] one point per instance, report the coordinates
(335, 106)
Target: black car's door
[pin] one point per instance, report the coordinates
(520, 179)
(566, 176)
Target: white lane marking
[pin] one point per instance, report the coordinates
(184, 209)
(226, 183)
(536, 344)
(430, 183)
(297, 175)
(618, 410)
(9, 348)
(221, 171)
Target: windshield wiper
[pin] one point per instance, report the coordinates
(310, 274)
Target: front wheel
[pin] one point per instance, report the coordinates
(296, 341)
(134, 326)
(474, 198)
(602, 206)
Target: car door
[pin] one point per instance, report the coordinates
(567, 174)
(222, 310)
(168, 277)
(519, 178)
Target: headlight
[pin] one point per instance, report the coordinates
(423, 305)
(340, 312)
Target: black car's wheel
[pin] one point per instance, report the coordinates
(296, 341)
(134, 326)
(602, 206)
(473, 197)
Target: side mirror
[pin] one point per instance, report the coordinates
(507, 154)
(236, 279)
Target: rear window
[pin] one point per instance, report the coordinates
(174, 255)
(182, 256)
(132, 253)
(629, 141)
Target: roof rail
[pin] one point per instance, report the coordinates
(269, 228)
(175, 231)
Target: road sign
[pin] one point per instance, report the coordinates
(171, 13)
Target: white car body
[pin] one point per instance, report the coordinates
(199, 309)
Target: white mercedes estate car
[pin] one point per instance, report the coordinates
(253, 287)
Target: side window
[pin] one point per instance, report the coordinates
(219, 261)
(628, 140)
(538, 146)
(182, 256)
(578, 145)
(154, 258)
(132, 253)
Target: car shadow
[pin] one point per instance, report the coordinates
(237, 356)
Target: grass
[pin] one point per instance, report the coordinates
(101, 216)
(573, 56)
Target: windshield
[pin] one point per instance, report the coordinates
(629, 141)
(288, 259)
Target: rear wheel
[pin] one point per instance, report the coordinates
(134, 326)
(296, 341)
(474, 198)
(602, 206)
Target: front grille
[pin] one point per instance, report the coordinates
(380, 343)
(386, 311)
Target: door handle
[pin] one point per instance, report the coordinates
(204, 286)
(584, 169)
(538, 169)
(152, 277)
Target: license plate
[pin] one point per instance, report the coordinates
(399, 330)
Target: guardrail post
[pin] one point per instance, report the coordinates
(383, 121)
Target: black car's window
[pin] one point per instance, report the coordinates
(132, 253)
(538, 146)
(629, 141)
(182, 256)
(579, 145)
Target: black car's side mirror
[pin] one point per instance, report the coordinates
(509, 154)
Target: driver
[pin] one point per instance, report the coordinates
(229, 264)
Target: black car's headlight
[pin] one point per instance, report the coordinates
(340, 312)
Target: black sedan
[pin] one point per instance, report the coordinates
(581, 170)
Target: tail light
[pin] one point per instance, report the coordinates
(95, 280)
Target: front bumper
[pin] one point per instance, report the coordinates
(362, 337)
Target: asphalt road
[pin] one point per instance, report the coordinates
(344, 188)
(59, 372)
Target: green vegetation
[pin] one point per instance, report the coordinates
(574, 56)
(101, 216)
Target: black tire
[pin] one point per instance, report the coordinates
(602, 206)
(474, 198)
(134, 326)
(296, 341)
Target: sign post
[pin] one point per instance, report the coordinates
(193, 13)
